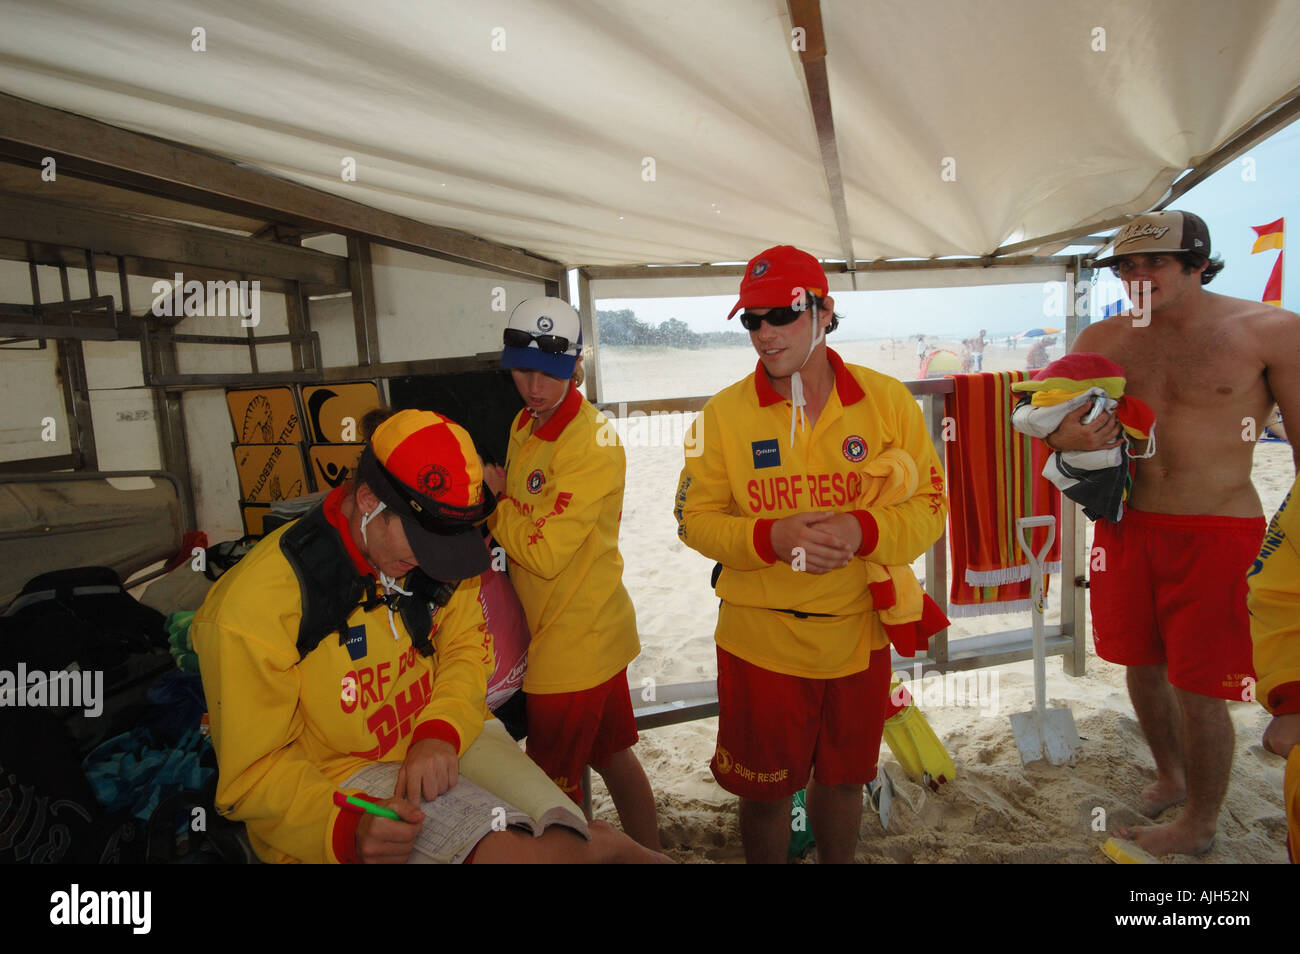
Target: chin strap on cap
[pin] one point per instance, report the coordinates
(797, 399)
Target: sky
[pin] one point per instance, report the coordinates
(1255, 189)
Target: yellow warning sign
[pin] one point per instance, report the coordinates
(264, 416)
(332, 464)
(253, 515)
(334, 411)
(269, 472)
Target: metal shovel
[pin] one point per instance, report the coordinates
(1041, 732)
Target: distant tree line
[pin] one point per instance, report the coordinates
(622, 327)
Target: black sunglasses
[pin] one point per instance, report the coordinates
(776, 317)
(551, 344)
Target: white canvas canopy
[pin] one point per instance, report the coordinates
(625, 132)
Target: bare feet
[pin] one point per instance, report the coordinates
(1162, 794)
(611, 846)
(1180, 837)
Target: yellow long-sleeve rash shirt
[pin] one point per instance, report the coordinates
(746, 476)
(289, 732)
(558, 521)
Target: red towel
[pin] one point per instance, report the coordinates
(994, 478)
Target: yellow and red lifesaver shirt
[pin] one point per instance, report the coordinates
(558, 521)
(1274, 605)
(288, 732)
(747, 476)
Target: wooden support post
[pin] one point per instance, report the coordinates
(362, 280)
(590, 337)
(1074, 557)
(936, 558)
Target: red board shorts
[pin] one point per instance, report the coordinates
(567, 731)
(1174, 591)
(774, 729)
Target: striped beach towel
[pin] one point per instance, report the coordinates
(994, 478)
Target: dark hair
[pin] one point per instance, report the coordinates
(835, 319)
(371, 420)
(1191, 261)
(368, 424)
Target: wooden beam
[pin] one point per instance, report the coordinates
(807, 15)
(1234, 147)
(616, 272)
(39, 465)
(114, 233)
(56, 255)
(1082, 233)
(104, 153)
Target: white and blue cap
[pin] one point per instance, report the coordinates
(543, 334)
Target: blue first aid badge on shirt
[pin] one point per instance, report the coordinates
(356, 642)
(766, 453)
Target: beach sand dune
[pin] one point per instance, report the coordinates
(997, 810)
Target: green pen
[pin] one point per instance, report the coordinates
(359, 806)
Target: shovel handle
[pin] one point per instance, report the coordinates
(1024, 524)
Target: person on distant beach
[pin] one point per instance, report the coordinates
(561, 504)
(1274, 426)
(803, 657)
(1037, 357)
(1170, 603)
(1274, 605)
(977, 351)
(967, 356)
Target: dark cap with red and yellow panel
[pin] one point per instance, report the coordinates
(425, 468)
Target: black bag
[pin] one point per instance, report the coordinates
(83, 616)
(48, 813)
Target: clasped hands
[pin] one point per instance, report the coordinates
(828, 540)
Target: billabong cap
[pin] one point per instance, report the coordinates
(425, 469)
(544, 318)
(1159, 232)
(777, 277)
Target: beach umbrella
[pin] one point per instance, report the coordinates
(1038, 332)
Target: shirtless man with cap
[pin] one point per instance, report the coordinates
(1170, 604)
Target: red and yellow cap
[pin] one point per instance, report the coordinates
(425, 468)
(780, 277)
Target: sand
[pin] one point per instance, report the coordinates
(996, 810)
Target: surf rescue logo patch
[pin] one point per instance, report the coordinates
(854, 448)
(766, 453)
(544, 324)
(723, 758)
(356, 642)
(760, 268)
(536, 481)
(433, 480)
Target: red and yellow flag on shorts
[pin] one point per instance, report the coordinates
(1269, 237)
